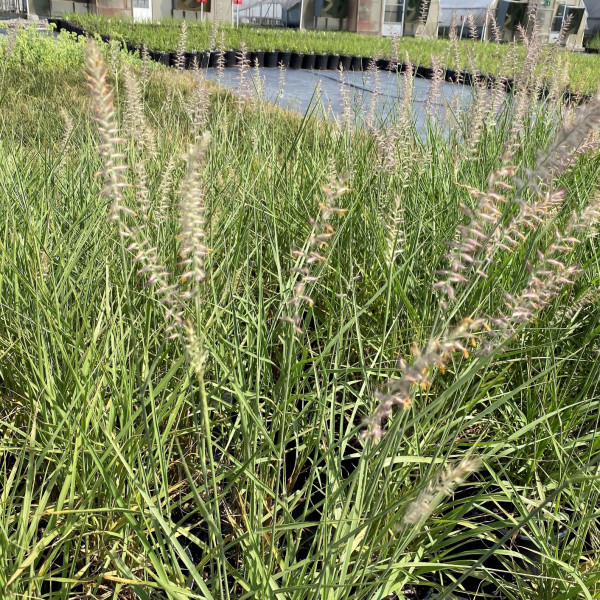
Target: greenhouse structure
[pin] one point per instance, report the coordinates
(511, 15)
(139, 10)
(435, 17)
(426, 18)
(593, 17)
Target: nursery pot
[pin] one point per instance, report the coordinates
(271, 59)
(356, 63)
(284, 59)
(345, 61)
(296, 60)
(384, 64)
(197, 57)
(212, 59)
(321, 61)
(333, 62)
(189, 59)
(466, 77)
(231, 58)
(203, 59)
(308, 61)
(57, 24)
(366, 62)
(425, 72)
(134, 49)
(162, 57)
(257, 59)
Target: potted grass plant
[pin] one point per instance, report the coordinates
(257, 58)
(271, 59)
(284, 59)
(231, 58)
(308, 60)
(296, 60)
(321, 62)
(346, 61)
(356, 63)
(333, 62)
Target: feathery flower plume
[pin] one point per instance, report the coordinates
(478, 112)
(67, 131)
(417, 374)
(114, 182)
(321, 234)
(591, 297)
(136, 127)
(374, 75)
(423, 14)
(181, 43)
(479, 240)
(192, 207)
(472, 26)
(577, 130)
(483, 223)
(193, 251)
(221, 56)
(435, 88)
(395, 143)
(108, 132)
(490, 18)
(169, 295)
(528, 83)
(394, 232)
(395, 62)
(198, 104)
(551, 274)
(281, 82)
(212, 38)
(443, 485)
(244, 92)
(455, 47)
(346, 102)
(114, 58)
(145, 69)
(165, 191)
(259, 83)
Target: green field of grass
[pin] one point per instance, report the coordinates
(247, 354)
(583, 70)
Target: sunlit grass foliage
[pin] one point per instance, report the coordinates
(248, 354)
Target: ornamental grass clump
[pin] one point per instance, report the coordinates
(132, 222)
(313, 255)
(203, 299)
(503, 224)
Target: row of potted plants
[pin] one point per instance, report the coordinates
(583, 68)
(165, 35)
(285, 58)
(232, 58)
(299, 60)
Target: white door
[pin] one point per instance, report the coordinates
(393, 18)
(142, 10)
